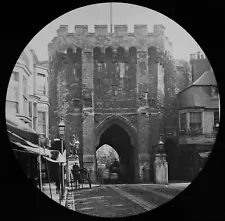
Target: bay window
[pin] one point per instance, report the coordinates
(195, 123)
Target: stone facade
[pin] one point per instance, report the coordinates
(101, 79)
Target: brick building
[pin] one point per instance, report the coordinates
(116, 89)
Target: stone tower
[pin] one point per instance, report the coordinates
(110, 89)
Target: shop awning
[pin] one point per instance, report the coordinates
(17, 126)
(26, 139)
(51, 155)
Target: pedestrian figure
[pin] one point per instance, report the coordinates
(76, 174)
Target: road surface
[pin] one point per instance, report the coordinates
(120, 200)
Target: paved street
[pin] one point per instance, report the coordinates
(120, 200)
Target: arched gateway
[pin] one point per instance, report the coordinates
(117, 132)
(110, 90)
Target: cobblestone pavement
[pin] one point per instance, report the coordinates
(119, 200)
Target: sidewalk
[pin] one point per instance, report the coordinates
(172, 184)
(85, 186)
(55, 197)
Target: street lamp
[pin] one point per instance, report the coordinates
(160, 164)
(61, 135)
(159, 147)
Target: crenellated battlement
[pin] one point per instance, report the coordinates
(119, 30)
(101, 37)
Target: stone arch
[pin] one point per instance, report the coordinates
(120, 56)
(109, 53)
(118, 132)
(119, 120)
(97, 54)
(152, 55)
(133, 55)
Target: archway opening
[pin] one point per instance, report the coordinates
(107, 163)
(118, 138)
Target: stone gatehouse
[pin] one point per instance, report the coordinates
(113, 88)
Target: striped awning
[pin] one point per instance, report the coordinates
(50, 155)
(25, 139)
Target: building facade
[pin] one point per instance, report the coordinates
(198, 106)
(116, 89)
(27, 94)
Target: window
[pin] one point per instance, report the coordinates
(12, 106)
(30, 109)
(34, 116)
(12, 98)
(42, 122)
(25, 102)
(41, 84)
(183, 122)
(24, 87)
(25, 105)
(214, 92)
(195, 121)
(216, 121)
(15, 76)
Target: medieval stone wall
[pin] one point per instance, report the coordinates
(98, 75)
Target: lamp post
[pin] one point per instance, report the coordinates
(61, 135)
(160, 164)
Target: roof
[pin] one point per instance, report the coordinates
(208, 78)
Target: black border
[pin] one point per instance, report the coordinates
(203, 200)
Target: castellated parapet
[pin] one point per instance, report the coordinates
(140, 38)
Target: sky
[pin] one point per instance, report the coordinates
(183, 43)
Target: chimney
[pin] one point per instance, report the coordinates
(192, 56)
(81, 29)
(62, 31)
(120, 30)
(101, 30)
(140, 30)
(199, 66)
